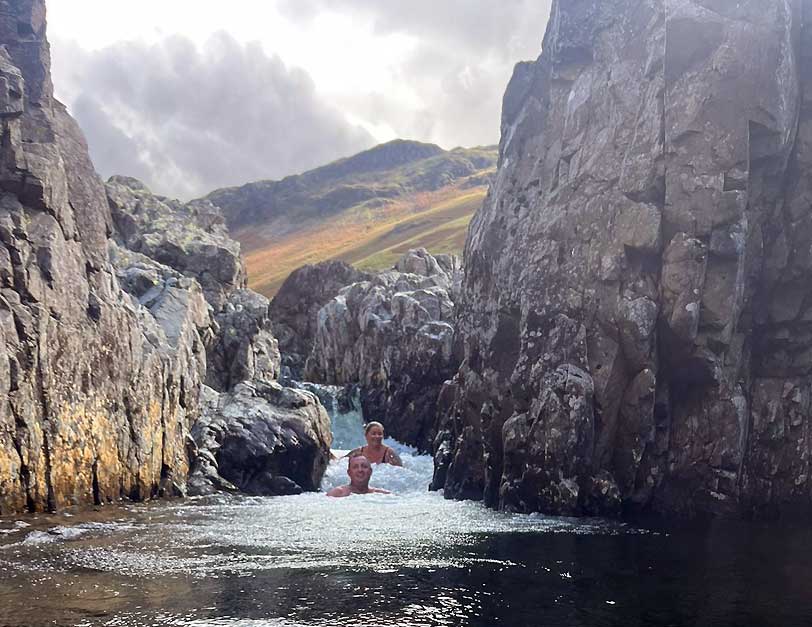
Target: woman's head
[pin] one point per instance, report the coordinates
(374, 433)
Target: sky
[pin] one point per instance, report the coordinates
(193, 95)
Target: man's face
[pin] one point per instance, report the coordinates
(359, 470)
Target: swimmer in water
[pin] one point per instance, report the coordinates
(360, 471)
(375, 450)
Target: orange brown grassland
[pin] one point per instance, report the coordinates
(368, 238)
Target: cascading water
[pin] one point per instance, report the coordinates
(347, 420)
(410, 558)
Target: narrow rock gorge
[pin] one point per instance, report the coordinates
(635, 310)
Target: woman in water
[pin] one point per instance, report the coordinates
(375, 450)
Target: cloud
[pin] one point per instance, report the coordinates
(463, 56)
(483, 27)
(188, 119)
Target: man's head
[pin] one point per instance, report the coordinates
(360, 470)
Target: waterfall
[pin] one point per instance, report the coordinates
(347, 418)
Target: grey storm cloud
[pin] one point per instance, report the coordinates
(188, 119)
(465, 54)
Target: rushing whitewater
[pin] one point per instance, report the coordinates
(409, 558)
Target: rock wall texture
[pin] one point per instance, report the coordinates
(262, 439)
(294, 310)
(95, 400)
(192, 237)
(636, 313)
(250, 434)
(392, 335)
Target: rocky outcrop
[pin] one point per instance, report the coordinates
(250, 434)
(244, 348)
(393, 336)
(294, 309)
(95, 400)
(164, 237)
(261, 439)
(635, 314)
(103, 342)
(192, 238)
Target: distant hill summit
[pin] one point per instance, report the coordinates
(381, 173)
(367, 209)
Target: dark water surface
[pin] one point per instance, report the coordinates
(412, 559)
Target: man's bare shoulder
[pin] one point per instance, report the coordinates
(379, 491)
(340, 491)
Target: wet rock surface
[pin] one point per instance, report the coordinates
(294, 309)
(634, 317)
(260, 438)
(392, 335)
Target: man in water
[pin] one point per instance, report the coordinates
(360, 471)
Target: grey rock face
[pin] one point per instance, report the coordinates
(163, 239)
(103, 343)
(260, 438)
(192, 238)
(393, 336)
(294, 309)
(634, 312)
(95, 399)
(244, 348)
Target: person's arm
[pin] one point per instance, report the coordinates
(340, 491)
(392, 457)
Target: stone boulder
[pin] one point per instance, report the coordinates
(260, 438)
(192, 238)
(393, 336)
(635, 310)
(294, 309)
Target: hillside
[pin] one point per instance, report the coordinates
(366, 209)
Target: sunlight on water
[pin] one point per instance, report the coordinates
(409, 558)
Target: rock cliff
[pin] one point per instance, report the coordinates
(250, 434)
(294, 310)
(392, 335)
(115, 306)
(95, 401)
(636, 308)
(192, 237)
